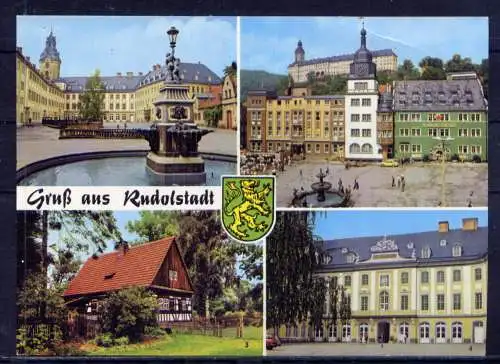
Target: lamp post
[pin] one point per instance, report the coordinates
(443, 141)
(172, 35)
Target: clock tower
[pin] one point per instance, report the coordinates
(361, 103)
(50, 61)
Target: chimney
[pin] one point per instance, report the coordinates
(118, 73)
(130, 74)
(444, 227)
(469, 224)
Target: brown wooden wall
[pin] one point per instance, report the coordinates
(173, 262)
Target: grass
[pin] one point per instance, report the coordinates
(192, 345)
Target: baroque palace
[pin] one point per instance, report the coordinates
(129, 97)
(428, 287)
(371, 122)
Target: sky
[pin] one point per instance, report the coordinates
(128, 43)
(340, 224)
(268, 43)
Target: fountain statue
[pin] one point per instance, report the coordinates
(325, 195)
(174, 138)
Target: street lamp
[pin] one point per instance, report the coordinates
(443, 140)
(172, 35)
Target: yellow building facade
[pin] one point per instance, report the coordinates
(428, 288)
(36, 95)
(229, 103)
(128, 97)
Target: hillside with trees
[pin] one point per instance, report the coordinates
(254, 80)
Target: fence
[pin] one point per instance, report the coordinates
(74, 123)
(71, 133)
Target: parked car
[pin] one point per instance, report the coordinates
(389, 163)
(271, 342)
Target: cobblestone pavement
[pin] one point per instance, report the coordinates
(423, 183)
(329, 349)
(39, 142)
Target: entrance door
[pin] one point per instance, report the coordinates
(456, 333)
(346, 333)
(404, 333)
(440, 333)
(229, 120)
(363, 333)
(318, 334)
(424, 333)
(478, 332)
(332, 333)
(383, 332)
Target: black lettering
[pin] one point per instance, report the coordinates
(212, 198)
(92, 199)
(105, 199)
(179, 200)
(193, 200)
(37, 201)
(204, 198)
(67, 197)
(132, 196)
(86, 199)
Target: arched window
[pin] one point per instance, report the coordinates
(457, 250)
(366, 148)
(456, 332)
(354, 148)
(424, 333)
(346, 333)
(332, 333)
(318, 333)
(384, 301)
(440, 333)
(404, 331)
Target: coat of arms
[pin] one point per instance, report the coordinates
(248, 207)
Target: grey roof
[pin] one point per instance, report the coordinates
(343, 57)
(191, 73)
(111, 83)
(262, 92)
(441, 95)
(50, 52)
(385, 102)
(315, 97)
(474, 246)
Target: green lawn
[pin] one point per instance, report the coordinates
(249, 332)
(190, 345)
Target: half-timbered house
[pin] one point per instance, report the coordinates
(157, 265)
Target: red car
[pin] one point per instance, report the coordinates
(271, 342)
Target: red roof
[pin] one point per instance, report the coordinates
(137, 266)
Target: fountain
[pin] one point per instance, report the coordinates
(174, 140)
(325, 195)
(173, 157)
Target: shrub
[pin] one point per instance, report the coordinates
(476, 158)
(68, 350)
(454, 158)
(426, 158)
(121, 341)
(129, 312)
(44, 338)
(154, 332)
(104, 340)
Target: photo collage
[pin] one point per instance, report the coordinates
(301, 186)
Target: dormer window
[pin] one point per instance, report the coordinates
(426, 253)
(442, 242)
(457, 250)
(410, 245)
(326, 259)
(350, 258)
(344, 250)
(109, 275)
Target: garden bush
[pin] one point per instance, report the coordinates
(154, 332)
(104, 340)
(70, 349)
(121, 341)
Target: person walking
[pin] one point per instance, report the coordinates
(356, 184)
(403, 183)
(393, 182)
(399, 181)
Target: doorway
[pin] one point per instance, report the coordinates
(424, 333)
(383, 331)
(229, 121)
(478, 332)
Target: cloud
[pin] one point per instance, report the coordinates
(121, 44)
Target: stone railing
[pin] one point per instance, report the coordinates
(76, 133)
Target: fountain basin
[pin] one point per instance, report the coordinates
(115, 168)
(321, 186)
(333, 198)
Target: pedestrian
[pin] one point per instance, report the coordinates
(356, 184)
(327, 170)
(340, 182)
(366, 338)
(469, 204)
(393, 182)
(300, 173)
(403, 186)
(399, 181)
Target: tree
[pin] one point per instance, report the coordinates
(129, 312)
(29, 244)
(65, 267)
(92, 100)
(292, 257)
(407, 71)
(339, 307)
(213, 115)
(154, 225)
(317, 298)
(459, 64)
(231, 70)
(432, 68)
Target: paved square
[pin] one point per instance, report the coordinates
(422, 189)
(338, 349)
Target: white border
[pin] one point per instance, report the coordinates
(264, 297)
(238, 95)
(347, 209)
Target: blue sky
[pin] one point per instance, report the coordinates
(128, 43)
(339, 224)
(268, 43)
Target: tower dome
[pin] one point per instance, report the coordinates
(50, 52)
(299, 52)
(363, 66)
(363, 54)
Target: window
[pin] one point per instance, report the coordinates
(415, 132)
(361, 85)
(366, 148)
(424, 302)
(475, 132)
(457, 251)
(404, 132)
(364, 280)
(347, 281)
(404, 147)
(457, 300)
(457, 275)
(440, 276)
(426, 253)
(384, 280)
(327, 148)
(424, 277)
(384, 301)
(463, 132)
(416, 148)
(404, 302)
(364, 303)
(366, 102)
(366, 117)
(172, 275)
(404, 278)
(478, 301)
(354, 117)
(355, 133)
(404, 117)
(440, 302)
(477, 274)
(354, 102)
(475, 117)
(367, 133)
